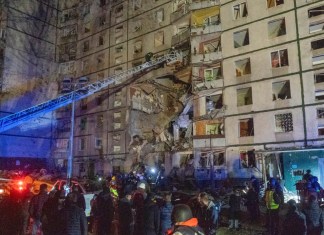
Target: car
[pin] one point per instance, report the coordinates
(88, 196)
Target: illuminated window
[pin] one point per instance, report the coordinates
(244, 96)
(276, 28)
(241, 38)
(281, 90)
(243, 67)
(246, 127)
(212, 74)
(273, 3)
(284, 122)
(316, 11)
(116, 149)
(279, 58)
(240, 10)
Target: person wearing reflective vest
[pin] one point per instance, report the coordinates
(273, 196)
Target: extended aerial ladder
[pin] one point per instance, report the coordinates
(36, 111)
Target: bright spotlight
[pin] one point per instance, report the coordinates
(153, 170)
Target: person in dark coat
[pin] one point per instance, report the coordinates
(138, 198)
(197, 209)
(295, 222)
(81, 200)
(50, 214)
(73, 218)
(151, 216)
(211, 214)
(235, 209)
(314, 216)
(104, 212)
(166, 211)
(126, 215)
(252, 204)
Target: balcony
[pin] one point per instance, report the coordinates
(199, 4)
(179, 13)
(211, 27)
(69, 38)
(181, 37)
(205, 84)
(206, 57)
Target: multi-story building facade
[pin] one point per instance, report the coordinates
(272, 68)
(27, 65)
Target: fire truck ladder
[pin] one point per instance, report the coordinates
(18, 118)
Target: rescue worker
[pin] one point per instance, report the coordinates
(273, 200)
(183, 221)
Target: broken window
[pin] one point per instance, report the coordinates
(318, 59)
(214, 102)
(276, 28)
(82, 144)
(116, 137)
(86, 10)
(316, 11)
(219, 159)
(85, 46)
(211, 20)
(212, 46)
(138, 47)
(102, 20)
(241, 38)
(215, 129)
(319, 95)
(273, 3)
(137, 4)
(83, 123)
(281, 90)
(118, 60)
(137, 25)
(240, 10)
(118, 70)
(119, 10)
(318, 44)
(279, 58)
(316, 27)
(119, 29)
(159, 16)
(118, 39)
(246, 127)
(159, 39)
(284, 122)
(86, 27)
(100, 40)
(320, 130)
(320, 113)
(116, 149)
(118, 49)
(67, 31)
(244, 96)
(100, 59)
(319, 77)
(117, 103)
(211, 74)
(98, 143)
(117, 115)
(248, 159)
(243, 67)
(117, 125)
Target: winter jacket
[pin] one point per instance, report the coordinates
(36, 205)
(314, 215)
(151, 218)
(74, 220)
(166, 212)
(103, 212)
(211, 218)
(235, 203)
(189, 227)
(295, 223)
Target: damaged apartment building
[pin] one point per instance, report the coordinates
(252, 70)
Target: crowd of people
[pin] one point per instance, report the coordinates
(139, 211)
